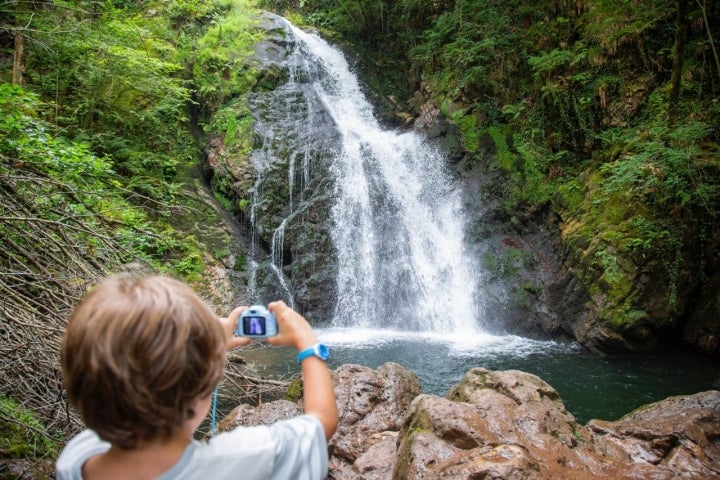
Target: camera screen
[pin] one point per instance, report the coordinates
(253, 326)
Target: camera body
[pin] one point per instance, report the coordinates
(256, 322)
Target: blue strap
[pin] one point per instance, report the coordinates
(214, 410)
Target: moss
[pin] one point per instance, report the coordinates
(471, 134)
(21, 434)
(507, 160)
(622, 316)
(519, 299)
(510, 264)
(240, 262)
(294, 391)
(613, 278)
(569, 195)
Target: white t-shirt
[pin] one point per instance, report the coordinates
(293, 449)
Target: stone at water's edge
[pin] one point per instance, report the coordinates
(502, 425)
(370, 402)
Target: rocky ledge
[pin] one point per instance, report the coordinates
(501, 425)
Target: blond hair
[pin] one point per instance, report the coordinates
(137, 355)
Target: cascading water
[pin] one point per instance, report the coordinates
(398, 225)
(276, 255)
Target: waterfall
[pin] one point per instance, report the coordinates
(398, 224)
(276, 256)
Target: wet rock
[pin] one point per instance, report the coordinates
(679, 433)
(444, 134)
(703, 327)
(502, 425)
(280, 188)
(514, 425)
(370, 403)
(265, 414)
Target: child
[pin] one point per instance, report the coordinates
(141, 358)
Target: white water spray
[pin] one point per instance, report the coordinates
(398, 219)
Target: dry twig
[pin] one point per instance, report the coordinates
(48, 261)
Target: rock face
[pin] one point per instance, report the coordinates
(551, 269)
(370, 405)
(703, 327)
(502, 425)
(274, 174)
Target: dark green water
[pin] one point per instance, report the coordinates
(591, 387)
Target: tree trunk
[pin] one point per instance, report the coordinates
(678, 60)
(18, 59)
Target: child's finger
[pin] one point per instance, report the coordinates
(229, 323)
(293, 329)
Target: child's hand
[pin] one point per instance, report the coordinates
(229, 325)
(293, 329)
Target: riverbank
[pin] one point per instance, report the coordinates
(501, 424)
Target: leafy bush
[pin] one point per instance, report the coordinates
(219, 67)
(668, 169)
(110, 83)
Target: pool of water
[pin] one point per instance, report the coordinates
(590, 386)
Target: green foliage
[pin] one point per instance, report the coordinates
(220, 68)
(613, 25)
(547, 64)
(80, 185)
(468, 125)
(29, 143)
(191, 266)
(615, 281)
(22, 435)
(361, 19)
(112, 81)
(90, 152)
(471, 49)
(191, 17)
(667, 169)
(235, 121)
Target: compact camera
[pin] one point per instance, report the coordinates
(257, 322)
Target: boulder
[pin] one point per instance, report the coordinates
(371, 405)
(513, 425)
(264, 414)
(501, 425)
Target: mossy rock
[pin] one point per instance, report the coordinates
(294, 392)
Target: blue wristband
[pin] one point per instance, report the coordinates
(320, 350)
